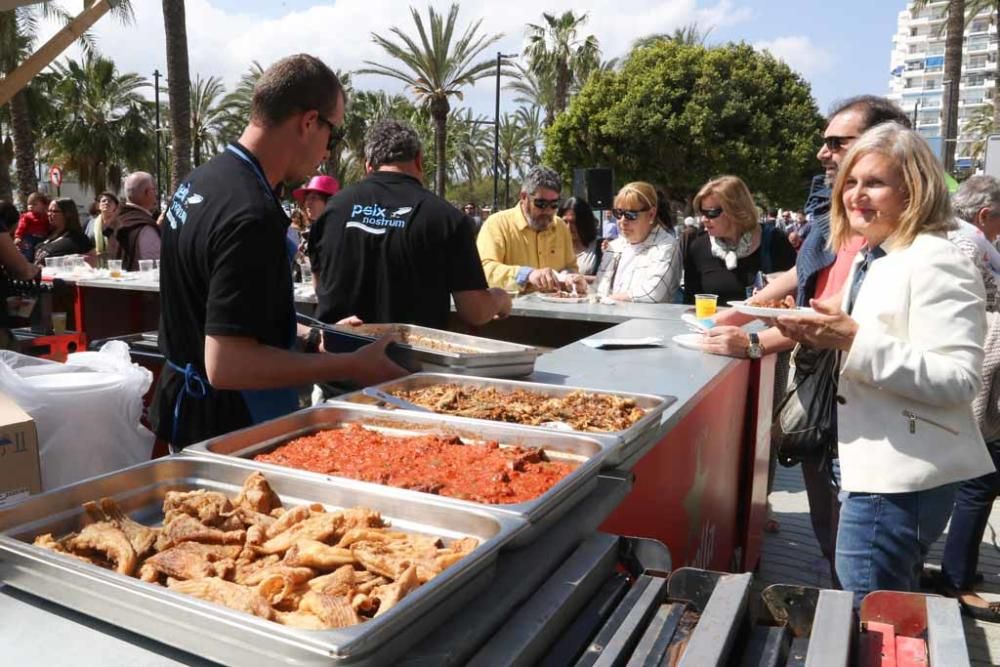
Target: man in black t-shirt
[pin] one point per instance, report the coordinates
(227, 311)
(388, 250)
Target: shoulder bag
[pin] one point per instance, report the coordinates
(805, 421)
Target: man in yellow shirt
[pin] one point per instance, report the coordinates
(528, 246)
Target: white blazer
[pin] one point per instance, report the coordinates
(905, 419)
(654, 274)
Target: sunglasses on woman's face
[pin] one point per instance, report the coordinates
(711, 213)
(631, 216)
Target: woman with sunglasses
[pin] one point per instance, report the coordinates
(579, 217)
(726, 257)
(643, 263)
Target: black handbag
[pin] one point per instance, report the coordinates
(805, 421)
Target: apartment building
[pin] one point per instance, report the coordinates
(917, 80)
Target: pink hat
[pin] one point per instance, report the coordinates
(325, 185)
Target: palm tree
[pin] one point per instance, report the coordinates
(236, 104)
(529, 120)
(207, 116)
(179, 88)
(436, 69)
(554, 50)
(470, 146)
(105, 123)
(533, 89)
(689, 35)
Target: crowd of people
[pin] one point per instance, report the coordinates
(900, 276)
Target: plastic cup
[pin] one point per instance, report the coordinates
(115, 268)
(147, 265)
(705, 305)
(58, 323)
(307, 272)
(54, 263)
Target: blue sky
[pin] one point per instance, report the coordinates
(839, 54)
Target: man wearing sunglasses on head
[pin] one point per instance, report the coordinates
(818, 273)
(528, 246)
(228, 322)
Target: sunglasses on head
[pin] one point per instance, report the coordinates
(834, 144)
(545, 203)
(336, 133)
(631, 216)
(711, 213)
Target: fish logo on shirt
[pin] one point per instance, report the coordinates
(195, 199)
(401, 211)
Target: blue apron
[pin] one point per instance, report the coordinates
(262, 404)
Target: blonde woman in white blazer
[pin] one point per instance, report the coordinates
(910, 327)
(643, 264)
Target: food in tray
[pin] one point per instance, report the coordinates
(443, 465)
(583, 410)
(787, 303)
(416, 340)
(302, 567)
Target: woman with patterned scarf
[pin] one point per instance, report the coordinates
(725, 258)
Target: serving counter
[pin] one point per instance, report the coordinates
(698, 484)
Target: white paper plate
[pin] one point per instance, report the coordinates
(559, 299)
(73, 381)
(690, 341)
(758, 311)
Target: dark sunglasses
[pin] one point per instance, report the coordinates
(545, 203)
(834, 144)
(631, 216)
(711, 213)
(336, 133)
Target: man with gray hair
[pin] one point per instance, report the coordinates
(528, 246)
(977, 205)
(389, 250)
(136, 234)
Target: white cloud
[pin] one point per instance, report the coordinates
(224, 43)
(799, 53)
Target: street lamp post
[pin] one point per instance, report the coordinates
(156, 97)
(496, 133)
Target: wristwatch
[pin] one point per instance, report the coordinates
(755, 350)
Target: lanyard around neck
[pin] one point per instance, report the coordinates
(241, 153)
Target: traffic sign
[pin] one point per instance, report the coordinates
(55, 176)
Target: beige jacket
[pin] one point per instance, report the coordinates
(908, 382)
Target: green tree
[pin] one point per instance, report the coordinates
(104, 127)
(236, 103)
(435, 69)
(207, 117)
(691, 34)
(556, 52)
(365, 107)
(664, 118)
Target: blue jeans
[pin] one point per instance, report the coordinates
(883, 538)
(973, 503)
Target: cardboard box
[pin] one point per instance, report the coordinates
(20, 471)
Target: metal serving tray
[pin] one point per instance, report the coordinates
(587, 451)
(493, 358)
(624, 444)
(217, 632)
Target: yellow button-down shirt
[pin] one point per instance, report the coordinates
(507, 243)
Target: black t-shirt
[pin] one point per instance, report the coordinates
(388, 250)
(706, 274)
(225, 271)
(69, 243)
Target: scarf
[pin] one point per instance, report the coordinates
(729, 253)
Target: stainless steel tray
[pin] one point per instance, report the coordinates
(214, 631)
(587, 451)
(492, 358)
(626, 442)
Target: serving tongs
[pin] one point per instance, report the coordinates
(386, 397)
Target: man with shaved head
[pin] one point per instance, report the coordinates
(136, 234)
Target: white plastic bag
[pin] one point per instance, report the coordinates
(87, 410)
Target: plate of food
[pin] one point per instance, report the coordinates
(770, 307)
(563, 296)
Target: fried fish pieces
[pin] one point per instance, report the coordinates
(257, 495)
(319, 556)
(234, 596)
(208, 507)
(141, 537)
(334, 611)
(107, 539)
(190, 560)
(319, 527)
(185, 528)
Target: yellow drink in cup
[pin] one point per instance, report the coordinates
(705, 305)
(115, 268)
(58, 323)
